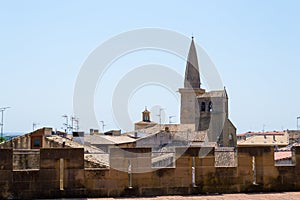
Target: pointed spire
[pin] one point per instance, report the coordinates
(192, 75)
(225, 91)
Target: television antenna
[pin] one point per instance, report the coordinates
(34, 124)
(170, 119)
(2, 118)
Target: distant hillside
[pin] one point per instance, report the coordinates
(13, 133)
(10, 135)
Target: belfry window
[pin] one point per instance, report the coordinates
(210, 106)
(203, 106)
(146, 118)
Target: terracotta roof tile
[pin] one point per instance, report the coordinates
(263, 133)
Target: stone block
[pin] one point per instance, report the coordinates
(178, 190)
(183, 162)
(6, 159)
(99, 173)
(183, 172)
(245, 171)
(5, 175)
(153, 191)
(244, 161)
(207, 170)
(208, 161)
(270, 171)
(74, 178)
(49, 175)
(29, 176)
(73, 157)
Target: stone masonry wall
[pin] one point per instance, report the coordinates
(62, 174)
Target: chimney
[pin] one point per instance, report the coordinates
(91, 131)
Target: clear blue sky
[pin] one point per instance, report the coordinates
(254, 44)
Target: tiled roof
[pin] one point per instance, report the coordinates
(91, 154)
(194, 136)
(172, 127)
(108, 139)
(263, 133)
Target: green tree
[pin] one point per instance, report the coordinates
(2, 139)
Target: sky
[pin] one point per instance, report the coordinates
(254, 45)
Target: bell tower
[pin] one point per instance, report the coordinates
(146, 122)
(189, 110)
(146, 115)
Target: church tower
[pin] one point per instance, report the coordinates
(208, 111)
(189, 111)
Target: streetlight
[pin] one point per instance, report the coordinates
(298, 123)
(2, 123)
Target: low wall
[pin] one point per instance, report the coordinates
(61, 174)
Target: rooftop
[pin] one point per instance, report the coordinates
(263, 133)
(108, 139)
(216, 93)
(92, 154)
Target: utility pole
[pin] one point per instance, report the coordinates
(2, 118)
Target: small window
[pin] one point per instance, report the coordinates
(231, 142)
(203, 107)
(36, 142)
(210, 106)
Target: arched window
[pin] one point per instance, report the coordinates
(203, 106)
(210, 106)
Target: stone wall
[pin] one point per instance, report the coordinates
(26, 159)
(6, 167)
(62, 174)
